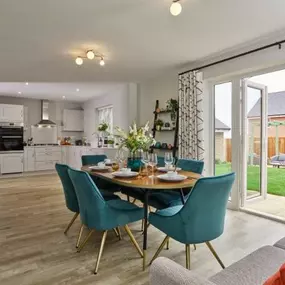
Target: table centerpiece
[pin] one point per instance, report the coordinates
(136, 140)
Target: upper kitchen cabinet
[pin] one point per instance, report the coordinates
(73, 120)
(11, 113)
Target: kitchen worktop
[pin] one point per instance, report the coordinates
(91, 147)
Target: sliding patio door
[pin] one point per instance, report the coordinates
(254, 141)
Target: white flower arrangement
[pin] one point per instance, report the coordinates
(136, 139)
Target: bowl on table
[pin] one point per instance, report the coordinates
(172, 176)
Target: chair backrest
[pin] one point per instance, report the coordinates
(203, 214)
(92, 159)
(91, 202)
(69, 191)
(192, 165)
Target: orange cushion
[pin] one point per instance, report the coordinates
(278, 278)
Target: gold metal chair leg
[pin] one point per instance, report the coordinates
(187, 248)
(134, 200)
(167, 244)
(142, 228)
(85, 241)
(71, 222)
(79, 235)
(215, 254)
(119, 233)
(195, 248)
(144, 259)
(116, 232)
(133, 240)
(100, 251)
(159, 249)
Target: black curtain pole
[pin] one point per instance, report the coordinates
(279, 44)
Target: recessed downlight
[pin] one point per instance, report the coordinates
(63, 97)
(19, 92)
(27, 83)
(77, 90)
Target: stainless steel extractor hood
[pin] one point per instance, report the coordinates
(45, 121)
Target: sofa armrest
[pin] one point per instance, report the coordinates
(163, 271)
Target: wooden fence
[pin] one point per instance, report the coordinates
(270, 149)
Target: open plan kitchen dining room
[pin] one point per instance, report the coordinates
(141, 142)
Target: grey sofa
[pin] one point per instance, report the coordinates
(254, 269)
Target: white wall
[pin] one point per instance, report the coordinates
(34, 112)
(124, 102)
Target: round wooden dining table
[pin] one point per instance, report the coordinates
(148, 184)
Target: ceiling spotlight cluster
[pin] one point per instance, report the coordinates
(90, 54)
(175, 8)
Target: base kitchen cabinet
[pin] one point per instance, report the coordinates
(29, 159)
(47, 157)
(12, 163)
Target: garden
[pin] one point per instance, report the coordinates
(275, 178)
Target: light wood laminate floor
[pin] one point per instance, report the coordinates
(34, 249)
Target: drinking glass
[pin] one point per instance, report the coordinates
(168, 159)
(145, 160)
(152, 162)
(120, 157)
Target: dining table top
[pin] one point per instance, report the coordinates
(146, 182)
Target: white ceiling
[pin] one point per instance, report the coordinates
(57, 91)
(139, 38)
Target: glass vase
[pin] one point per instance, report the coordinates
(135, 161)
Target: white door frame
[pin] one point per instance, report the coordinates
(234, 203)
(263, 139)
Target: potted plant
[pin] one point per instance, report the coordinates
(172, 106)
(158, 124)
(103, 129)
(136, 141)
(111, 142)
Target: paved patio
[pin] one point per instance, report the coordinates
(273, 205)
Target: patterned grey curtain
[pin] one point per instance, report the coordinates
(190, 138)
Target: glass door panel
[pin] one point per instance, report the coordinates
(254, 140)
(223, 128)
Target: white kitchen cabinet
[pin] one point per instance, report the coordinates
(64, 154)
(12, 163)
(74, 154)
(11, 113)
(73, 120)
(29, 159)
(46, 157)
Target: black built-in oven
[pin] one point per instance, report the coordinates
(11, 137)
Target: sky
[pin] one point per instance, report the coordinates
(275, 81)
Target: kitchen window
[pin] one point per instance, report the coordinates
(105, 115)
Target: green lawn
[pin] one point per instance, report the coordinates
(275, 178)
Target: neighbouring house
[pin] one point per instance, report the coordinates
(276, 113)
(220, 143)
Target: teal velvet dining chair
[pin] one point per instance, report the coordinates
(100, 215)
(164, 199)
(201, 219)
(92, 159)
(71, 197)
(69, 192)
